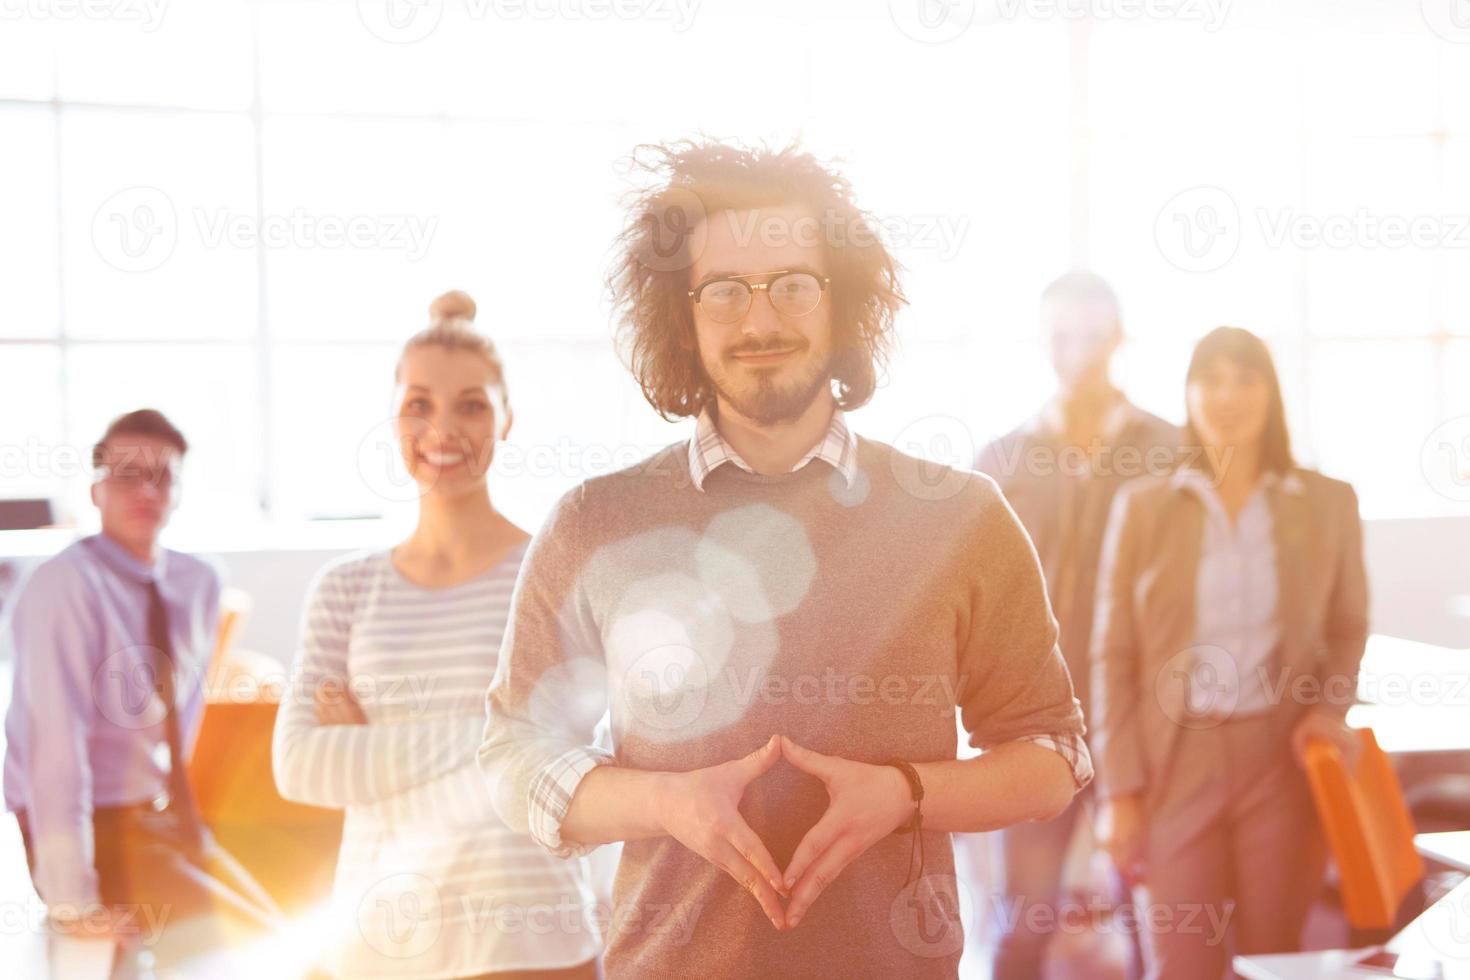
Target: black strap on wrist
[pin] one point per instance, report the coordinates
(915, 823)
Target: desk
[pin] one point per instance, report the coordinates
(1402, 729)
(1416, 696)
(1452, 849)
(1404, 673)
(1441, 932)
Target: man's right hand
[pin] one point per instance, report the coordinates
(701, 810)
(1120, 832)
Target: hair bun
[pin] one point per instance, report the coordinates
(451, 305)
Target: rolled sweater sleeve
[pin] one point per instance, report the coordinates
(550, 688)
(1015, 686)
(350, 765)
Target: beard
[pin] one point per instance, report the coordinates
(766, 401)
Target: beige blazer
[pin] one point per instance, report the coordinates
(1144, 631)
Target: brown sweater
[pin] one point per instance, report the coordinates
(854, 620)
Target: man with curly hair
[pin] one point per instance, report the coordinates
(781, 617)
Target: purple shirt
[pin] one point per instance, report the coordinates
(85, 727)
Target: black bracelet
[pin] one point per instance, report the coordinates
(916, 789)
(914, 824)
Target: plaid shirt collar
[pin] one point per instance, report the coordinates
(708, 450)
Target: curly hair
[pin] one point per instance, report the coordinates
(650, 277)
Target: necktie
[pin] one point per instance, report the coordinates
(181, 795)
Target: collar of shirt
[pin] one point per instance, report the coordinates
(120, 560)
(1194, 478)
(708, 449)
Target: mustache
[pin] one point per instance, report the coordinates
(775, 345)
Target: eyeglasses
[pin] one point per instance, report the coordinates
(130, 477)
(728, 299)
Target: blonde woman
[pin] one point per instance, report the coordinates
(387, 704)
(1232, 615)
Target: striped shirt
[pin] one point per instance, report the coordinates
(430, 882)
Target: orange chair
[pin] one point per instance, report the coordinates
(289, 848)
(1369, 830)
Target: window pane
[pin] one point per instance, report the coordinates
(1364, 278)
(158, 53)
(1455, 257)
(34, 460)
(578, 414)
(1372, 407)
(158, 225)
(325, 403)
(1173, 224)
(211, 393)
(29, 304)
(321, 175)
(27, 59)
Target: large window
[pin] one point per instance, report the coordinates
(236, 212)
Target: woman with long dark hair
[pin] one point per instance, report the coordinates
(1232, 615)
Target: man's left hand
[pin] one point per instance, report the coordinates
(865, 804)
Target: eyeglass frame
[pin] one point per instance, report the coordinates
(164, 478)
(822, 283)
